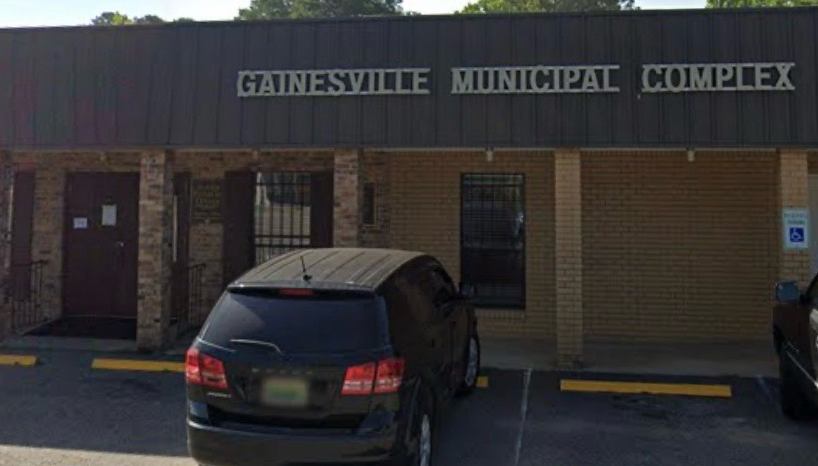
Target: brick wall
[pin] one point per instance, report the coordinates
(425, 215)
(679, 250)
(155, 254)
(793, 191)
(346, 220)
(568, 257)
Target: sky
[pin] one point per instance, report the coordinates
(16, 13)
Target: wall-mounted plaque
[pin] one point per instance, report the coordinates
(207, 201)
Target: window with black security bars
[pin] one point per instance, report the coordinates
(492, 241)
(281, 213)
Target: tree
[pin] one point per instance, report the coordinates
(148, 19)
(530, 6)
(272, 9)
(111, 18)
(115, 18)
(758, 3)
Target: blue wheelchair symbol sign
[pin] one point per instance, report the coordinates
(797, 234)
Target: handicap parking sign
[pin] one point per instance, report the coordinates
(796, 228)
(796, 234)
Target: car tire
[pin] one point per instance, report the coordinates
(424, 433)
(471, 365)
(794, 403)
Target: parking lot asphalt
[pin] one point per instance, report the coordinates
(63, 412)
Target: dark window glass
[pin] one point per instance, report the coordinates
(299, 325)
(368, 204)
(281, 213)
(492, 238)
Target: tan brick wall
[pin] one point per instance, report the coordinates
(206, 239)
(793, 191)
(425, 215)
(568, 257)
(347, 198)
(155, 253)
(678, 250)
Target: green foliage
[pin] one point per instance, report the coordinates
(272, 9)
(758, 3)
(529, 6)
(115, 18)
(148, 19)
(111, 18)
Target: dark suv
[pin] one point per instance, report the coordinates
(330, 356)
(795, 327)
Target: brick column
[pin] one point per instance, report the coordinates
(568, 257)
(155, 261)
(6, 187)
(793, 191)
(346, 199)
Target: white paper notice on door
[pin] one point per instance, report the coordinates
(109, 215)
(80, 223)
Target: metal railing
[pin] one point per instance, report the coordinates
(188, 295)
(23, 291)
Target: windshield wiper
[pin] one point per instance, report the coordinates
(266, 344)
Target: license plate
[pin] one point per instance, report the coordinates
(284, 392)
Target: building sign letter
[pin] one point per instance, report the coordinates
(533, 79)
(714, 77)
(384, 81)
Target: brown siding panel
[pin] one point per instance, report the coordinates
(174, 84)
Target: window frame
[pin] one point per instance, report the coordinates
(521, 305)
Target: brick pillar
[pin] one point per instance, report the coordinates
(155, 261)
(48, 229)
(347, 199)
(6, 187)
(793, 191)
(568, 257)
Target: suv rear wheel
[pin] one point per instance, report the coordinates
(472, 366)
(424, 433)
(793, 402)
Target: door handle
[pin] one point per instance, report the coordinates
(120, 244)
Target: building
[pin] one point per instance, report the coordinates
(638, 176)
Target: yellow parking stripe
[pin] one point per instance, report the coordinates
(718, 391)
(17, 360)
(483, 382)
(137, 365)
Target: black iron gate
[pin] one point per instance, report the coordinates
(23, 292)
(281, 214)
(188, 299)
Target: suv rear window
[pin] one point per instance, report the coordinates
(299, 325)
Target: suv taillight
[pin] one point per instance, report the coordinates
(201, 369)
(384, 376)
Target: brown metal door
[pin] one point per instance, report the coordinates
(101, 244)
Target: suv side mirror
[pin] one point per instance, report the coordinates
(787, 292)
(467, 291)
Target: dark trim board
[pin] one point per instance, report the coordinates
(174, 86)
